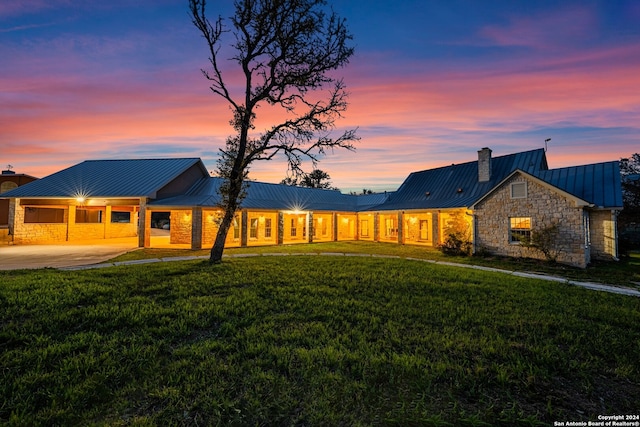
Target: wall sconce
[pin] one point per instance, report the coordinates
(261, 219)
(320, 220)
(413, 220)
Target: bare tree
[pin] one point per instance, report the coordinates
(285, 51)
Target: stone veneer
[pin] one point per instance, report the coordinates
(545, 207)
(35, 233)
(26, 233)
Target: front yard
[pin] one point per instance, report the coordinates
(311, 340)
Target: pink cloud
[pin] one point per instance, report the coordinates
(544, 30)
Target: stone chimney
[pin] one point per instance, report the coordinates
(484, 164)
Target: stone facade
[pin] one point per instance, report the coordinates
(180, 227)
(69, 230)
(35, 233)
(545, 207)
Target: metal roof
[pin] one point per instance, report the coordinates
(107, 178)
(457, 185)
(598, 183)
(261, 195)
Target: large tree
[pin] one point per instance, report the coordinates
(285, 52)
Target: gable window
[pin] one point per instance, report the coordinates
(519, 229)
(519, 190)
(7, 185)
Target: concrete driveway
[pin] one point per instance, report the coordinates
(65, 254)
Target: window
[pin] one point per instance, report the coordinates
(320, 227)
(519, 229)
(294, 230)
(424, 229)
(236, 228)
(390, 228)
(7, 185)
(88, 215)
(364, 228)
(122, 217)
(519, 190)
(267, 228)
(43, 215)
(253, 228)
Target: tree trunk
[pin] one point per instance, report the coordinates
(235, 188)
(218, 247)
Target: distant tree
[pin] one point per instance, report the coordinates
(285, 52)
(364, 191)
(629, 218)
(630, 171)
(316, 179)
(290, 180)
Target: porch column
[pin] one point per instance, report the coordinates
(144, 225)
(376, 227)
(400, 228)
(12, 217)
(310, 226)
(196, 228)
(280, 228)
(335, 226)
(243, 227)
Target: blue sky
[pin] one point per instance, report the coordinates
(431, 83)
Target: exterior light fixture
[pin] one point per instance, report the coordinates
(459, 190)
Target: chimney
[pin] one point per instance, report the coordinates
(484, 164)
(8, 172)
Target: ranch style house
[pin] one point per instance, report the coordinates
(493, 202)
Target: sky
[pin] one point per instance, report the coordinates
(431, 83)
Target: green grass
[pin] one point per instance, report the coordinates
(310, 340)
(625, 272)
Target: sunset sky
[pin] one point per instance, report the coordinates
(431, 83)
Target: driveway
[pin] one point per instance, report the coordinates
(65, 254)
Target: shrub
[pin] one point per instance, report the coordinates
(544, 240)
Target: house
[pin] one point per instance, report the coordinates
(493, 202)
(8, 181)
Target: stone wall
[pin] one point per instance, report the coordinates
(545, 207)
(35, 233)
(180, 227)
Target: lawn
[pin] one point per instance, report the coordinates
(311, 340)
(625, 272)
